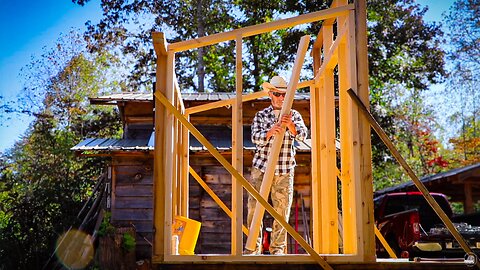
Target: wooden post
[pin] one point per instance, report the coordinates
(315, 208)
(237, 155)
(350, 154)
(174, 161)
(169, 153)
(185, 152)
(468, 203)
(158, 252)
(277, 144)
(366, 179)
(328, 153)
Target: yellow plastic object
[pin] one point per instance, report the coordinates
(187, 231)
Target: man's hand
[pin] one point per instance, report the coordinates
(285, 121)
(274, 130)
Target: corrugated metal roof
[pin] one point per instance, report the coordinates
(148, 97)
(97, 144)
(126, 96)
(218, 136)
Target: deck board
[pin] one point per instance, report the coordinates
(402, 264)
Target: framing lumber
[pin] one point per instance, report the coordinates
(349, 52)
(328, 186)
(385, 244)
(169, 154)
(316, 161)
(315, 129)
(331, 56)
(198, 135)
(366, 179)
(231, 101)
(226, 102)
(274, 153)
(185, 152)
(260, 28)
(237, 154)
(350, 154)
(159, 197)
(287, 260)
(215, 197)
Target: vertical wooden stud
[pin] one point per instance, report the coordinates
(366, 180)
(328, 156)
(169, 152)
(237, 154)
(349, 141)
(185, 152)
(468, 204)
(158, 251)
(315, 209)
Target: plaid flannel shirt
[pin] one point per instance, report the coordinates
(263, 122)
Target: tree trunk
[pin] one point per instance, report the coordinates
(201, 51)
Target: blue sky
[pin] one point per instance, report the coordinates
(28, 26)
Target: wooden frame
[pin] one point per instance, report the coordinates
(346, 51)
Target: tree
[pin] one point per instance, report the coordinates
(462, 107)
(127, 25)
(404, 51)
(182, 20)
(42, 183)
(404, 58)
(466, 147)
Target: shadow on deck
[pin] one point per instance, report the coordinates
(402, 264)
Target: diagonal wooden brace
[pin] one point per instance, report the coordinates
(272, 159)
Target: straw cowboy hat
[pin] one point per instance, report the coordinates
(277, 83)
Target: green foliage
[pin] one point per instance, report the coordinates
(183, 20)
(466, 147)
(106, 228)
(457, 208)
(128, 242)
(461, 107)
(43, 185)
(404, 58)
(404, 53)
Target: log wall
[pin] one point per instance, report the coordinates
(215, 232)
(132, 200)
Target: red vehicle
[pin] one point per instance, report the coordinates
(412, 229)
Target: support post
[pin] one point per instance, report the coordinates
(158, 251)
(328, 154)
(366, 179)
(170, 174)
(349, 136)
(237, 154)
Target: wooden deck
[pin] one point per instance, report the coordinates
(402, 264)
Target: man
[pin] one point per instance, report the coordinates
(267, 123)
